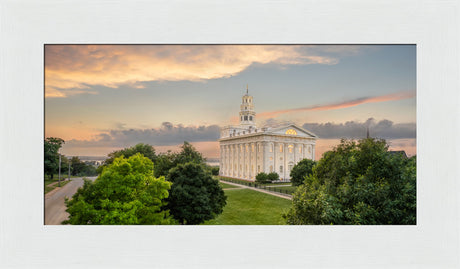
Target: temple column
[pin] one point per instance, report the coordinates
(285, 150)
(313, 152)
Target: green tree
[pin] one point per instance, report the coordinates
(273, 176)
(77, 166)
(125, 193)
(357, 183)
(80, 168)
(301, 170)
(169, 160)
(262, 178)
(215, 170)
(51, 155)
(195, 196)
(145, 149)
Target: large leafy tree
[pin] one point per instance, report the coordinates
(169, 160)
(51, 156)
(301, 170)
(358, 183)
(145, 149)
(195, 196)
(125, 193)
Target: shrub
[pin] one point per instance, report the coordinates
(273, 176)
(262, 178)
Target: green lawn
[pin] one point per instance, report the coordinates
(50, 188)
(288, 189)
(248, 207)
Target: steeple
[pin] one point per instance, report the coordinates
(247, 113)
(367, 135)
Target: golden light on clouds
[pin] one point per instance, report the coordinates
(346, 104)
(71, 69)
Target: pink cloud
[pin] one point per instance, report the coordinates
(340, 105)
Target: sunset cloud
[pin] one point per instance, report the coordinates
(73, 69)
(166, 135)
(340, 105)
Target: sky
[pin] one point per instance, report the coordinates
(101, 98)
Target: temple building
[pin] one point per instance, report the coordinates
(246, 150)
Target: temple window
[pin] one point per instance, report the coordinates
(281, 148)
(290, 147)
(281, 169)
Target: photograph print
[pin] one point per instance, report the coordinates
(258, 134)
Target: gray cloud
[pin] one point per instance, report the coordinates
(167, 134)
(351, 129)
(170, 134)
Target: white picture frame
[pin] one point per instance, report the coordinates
(27, 25)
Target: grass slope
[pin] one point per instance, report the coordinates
(248, 207)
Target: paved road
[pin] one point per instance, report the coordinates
(54, 201)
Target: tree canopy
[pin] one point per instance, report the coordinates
(169, 160)
(195, 196)
(357, 183)
(125, 193)
(262, 178)
(51, 155)
(80, 168)
(301, 170)
(145, 149)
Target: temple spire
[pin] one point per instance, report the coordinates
(247, 88)
(367, 132)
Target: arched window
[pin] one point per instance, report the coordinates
(281, 148)
(300, 149)
(245, 117)
(290, 147)
(258, 169)
(250, 118)
(271, 168)
(252, 148)
(281, 169)
(271, 147)
(291, 132)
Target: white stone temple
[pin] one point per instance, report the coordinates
(246, 150)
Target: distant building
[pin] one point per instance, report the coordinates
(246, 150)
